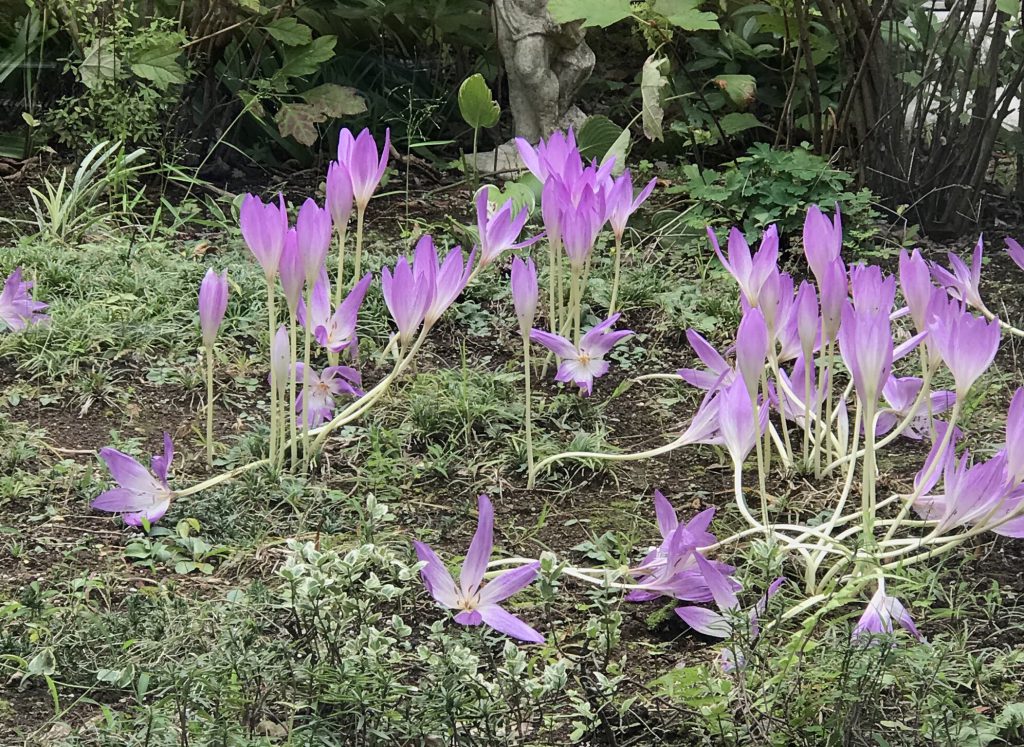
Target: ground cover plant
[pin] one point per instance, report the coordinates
(409, 493)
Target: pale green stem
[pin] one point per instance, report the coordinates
(360, 214)
(289, 408)
(307, 351)
(272, 320)
(867, 499)
(528, 412)
(891, 435)
(209, 406)
(339, 288)
(615, 277)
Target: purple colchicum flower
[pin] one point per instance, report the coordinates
(749, 272)
(280, 359)
(140, 494)
(264, 227)
(478, 604)
(315, 403)
(823, 240)
(339, 194)
(364, 164)
(872, 291)
(751, 349)
(558, 155)
(17, 308)
(963, 282)
(736, 421)
(900, 394)
(834, 294)
(966, 343)
(622, 204)
(584, 364)
(292, 271)
(580, 224)
(671, 569)
(408, 295)
(213, 302)
(449, 277)
(971, 493)
(313, 237)
(916, 283)
(334, 331)
(718, 371)
(1015, 438)
(866, 344)
(524, 293)
(498, 232)
(877, 620)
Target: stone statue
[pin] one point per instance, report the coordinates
(547, 63)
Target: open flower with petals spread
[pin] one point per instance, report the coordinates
(749, 272)
(670, 568)
(315, 404)
(882, 611)
(17, 308)
(498, 232)
(479, 604)
(140, 494)
(584, 364)
(718, 371)
(901, 394)
(334, 331)
(960, 281)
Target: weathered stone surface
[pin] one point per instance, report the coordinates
(546, 62)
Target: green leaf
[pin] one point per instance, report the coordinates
(335, 101)
(601, 13)
(738, 122)
(100, 63)
(306, 60)
(618, 150)
(1009, 7)
(686, 14)
(290, 32)
(159, 63)
(299, 121)
(597, 136)
(476, 104)
(739, 88)
(651, 82)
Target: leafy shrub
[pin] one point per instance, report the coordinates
(770, 185)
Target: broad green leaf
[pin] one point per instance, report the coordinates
(99, 64)
(619, 150)
(159, 63)
(290, 32)
(739, 88)
(686, 14)
(738, 122)
(597, 136)
(592, 12)
(299, 121)
(299, 61)
(1009, 7)
(476, 104)
(335, 101)
(652, 80)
